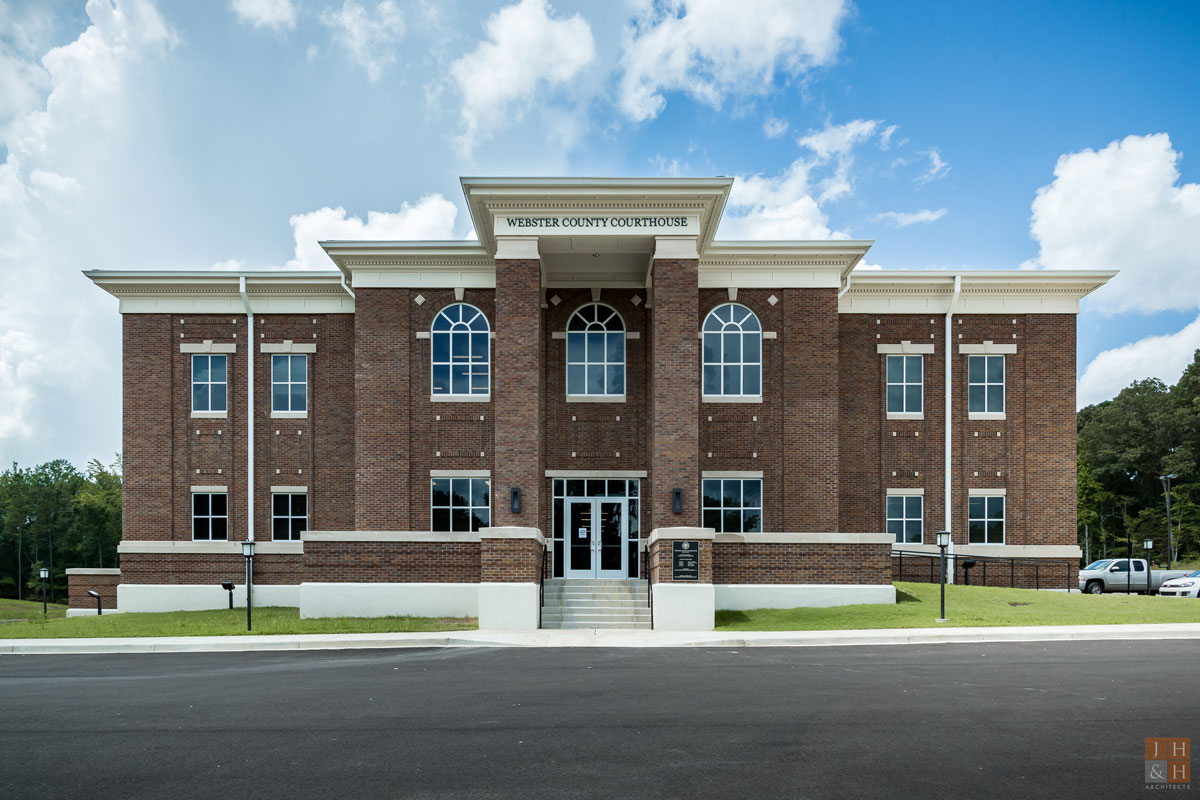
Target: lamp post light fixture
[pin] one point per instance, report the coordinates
(1166, 481)
(943, 541)
(43, 573)
(248, 553)
(1148, 545)
(228, 586)
(99, 602)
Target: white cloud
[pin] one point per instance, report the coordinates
(710, 48)
(838, 140)
(53, 182)
(1163, 357)
(1123, 207)
(431, 217)
(526, 51)
(276, 14)
(937, 168)
(885, 138)
(780, 207)
(774, 127)
(902, 219)
(369, 39)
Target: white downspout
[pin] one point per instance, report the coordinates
(949, 393)
(249, 410)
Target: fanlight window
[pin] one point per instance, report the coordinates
(596, 352)
(732, 352)
(459, 340)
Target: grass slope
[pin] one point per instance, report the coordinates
(29, 609)
(267, 620)
(917, 606)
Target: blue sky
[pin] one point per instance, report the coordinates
(143, 135)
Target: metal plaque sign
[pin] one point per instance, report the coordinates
(685, 561)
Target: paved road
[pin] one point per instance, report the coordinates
(999, 720)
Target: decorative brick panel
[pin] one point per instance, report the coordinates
(147, 426)
(675, 394)
(391, 562)
(213, 568)
(517, 387)
(793, 562)
(79, 585)
(510, 560)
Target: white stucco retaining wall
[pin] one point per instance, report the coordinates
(744, 596)
(132, 597)
(390, 599)
(683, 607)
(508, 606)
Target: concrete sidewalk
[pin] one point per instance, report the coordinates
(599, 638)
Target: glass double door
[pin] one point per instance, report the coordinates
(597, 530)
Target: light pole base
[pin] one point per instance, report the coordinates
(939, 619)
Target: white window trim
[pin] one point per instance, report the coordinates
(987, 348)
(289, 490)
(741, 363)
(904, 384)
(208, 490)
(589, 397)
(904, 519)
(595, 398)
(721, 509)
(1003, 520)
(289, 414)
(449, 397)
(459, 473)
(745, 474)
(287, 347)
(470, 508)
(986, 415)
(192, 386)
(210, 414)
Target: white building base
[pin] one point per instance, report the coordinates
(134, 597)
(508, 606)
(389, 600)
(745, 596)
(91, 612)
(683, 606)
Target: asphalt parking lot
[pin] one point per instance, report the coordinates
(983, 720)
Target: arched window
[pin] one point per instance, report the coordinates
(596, 352)
(459, 340)
(732, 352)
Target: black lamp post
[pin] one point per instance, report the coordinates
(43, 573)
(99, 602)
(248, 552)
(1148, 545)
(943, 541)
(1166, 481)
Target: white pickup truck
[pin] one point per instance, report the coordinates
(1114, 575)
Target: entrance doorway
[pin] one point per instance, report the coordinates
(596, 531)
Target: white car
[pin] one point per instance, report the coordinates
(1187, 586)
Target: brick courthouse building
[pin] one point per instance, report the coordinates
(591, 386)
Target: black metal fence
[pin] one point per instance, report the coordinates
(920, 566)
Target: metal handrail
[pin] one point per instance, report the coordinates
(1012, 562)
(649, 587)
(542, 585)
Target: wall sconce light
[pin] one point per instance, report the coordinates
(677, 500)
(514, 500)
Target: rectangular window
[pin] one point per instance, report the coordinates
(289, 383)
(733, 505)
(209, 383)
(460, 504)
(905, 518)
(985, 384)
(210, 516)
(289, 516)
(905, 384)
(985, 519)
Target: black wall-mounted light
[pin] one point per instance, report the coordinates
(677, 500)
(514, 500)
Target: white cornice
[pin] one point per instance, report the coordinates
(983, 291)
(217, 292)
(780, 265)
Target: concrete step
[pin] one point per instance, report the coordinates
(563, 613)
(598, 602)
(576, 625)
(624, 597)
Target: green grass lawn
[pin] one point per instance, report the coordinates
(968, 606)
(28, 609)
(267, 620)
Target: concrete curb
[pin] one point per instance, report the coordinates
(599, 638)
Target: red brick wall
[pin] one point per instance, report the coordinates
(794, 562)
(1030, 453)
(148, 441)
(78, 586)
(510, 560)
(675, 393)
(391, 562)
(195, 568)
(517, 389)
